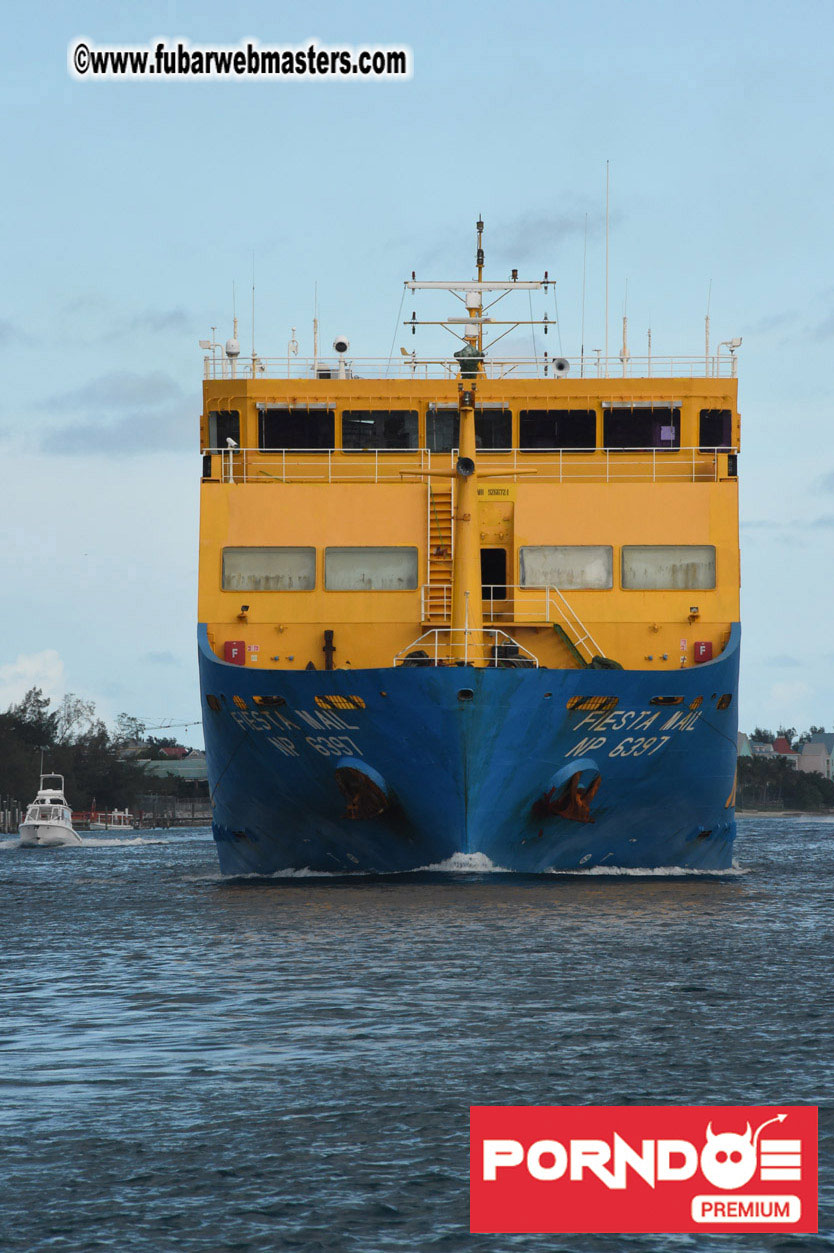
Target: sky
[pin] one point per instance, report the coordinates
(131, 208)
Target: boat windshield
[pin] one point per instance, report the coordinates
(46, 813)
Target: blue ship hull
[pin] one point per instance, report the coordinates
(470, 761)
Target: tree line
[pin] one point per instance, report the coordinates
(774, 783)
(73, 741)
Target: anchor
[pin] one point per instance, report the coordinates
(569, 799)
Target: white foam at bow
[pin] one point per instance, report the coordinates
(664, 871)
(468, 863)
(479, 863)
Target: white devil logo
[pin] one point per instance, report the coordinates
(729, 1160)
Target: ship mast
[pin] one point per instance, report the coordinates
(467, 599)
(467, 582)
(467, 642)
(479, 262)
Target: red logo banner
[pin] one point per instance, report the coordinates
(643, 1168)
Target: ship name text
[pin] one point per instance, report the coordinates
(288, 743)
(662, 724)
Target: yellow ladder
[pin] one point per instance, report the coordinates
(437, 600)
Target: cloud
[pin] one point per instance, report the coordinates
(89, 303)
(44, 670)
(11, 334)
(773, 322)
(117, 389)
(790, 320)
(786, 693)
(787, 531)
(783, 660)
(824, 329)
(826, 483)
(163, 658)
(137, 431)
(121, 413)
(533, 236)
(154, 322)
(107, 322)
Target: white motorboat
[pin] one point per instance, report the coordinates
(111, 820)
(48, 821)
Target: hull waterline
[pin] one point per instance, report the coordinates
(47, 835)
(473, 762)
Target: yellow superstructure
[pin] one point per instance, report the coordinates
(623, 518)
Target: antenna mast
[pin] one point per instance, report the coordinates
(606, 268)
(582, 337)
(470, 329)
(315, 328)
(233, 358)
(253, 315)
(479, 261)
(624, 353)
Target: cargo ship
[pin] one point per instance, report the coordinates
(474, 610)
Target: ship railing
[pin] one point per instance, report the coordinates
(693, 464)
(517, 605)
(447, 646)
(551, 465)
(410, 366)
(317, 465)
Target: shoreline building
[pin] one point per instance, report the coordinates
(817, 755)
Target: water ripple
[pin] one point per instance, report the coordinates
(200, 1064)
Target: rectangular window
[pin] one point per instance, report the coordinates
(641, 426)
(567, 566)
(370, 569)
(380, 428)
(493, 428)
(716, 430)
(311, 427)
(442, 426)
(224, 424)
(269, 569)
(664, 567)
(557, 428)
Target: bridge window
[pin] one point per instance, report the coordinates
(641, 426)
(269, 569)
(380, 428)
(557, 428)
(308, 427)
(493, 428)
(370, 569)
(668, 566)
(442, 427)
(716, 430)
(567, 566)
(223, 424)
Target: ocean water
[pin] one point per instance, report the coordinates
(188, 1063)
